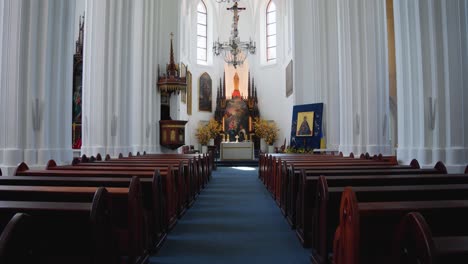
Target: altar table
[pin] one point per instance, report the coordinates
(237, 151)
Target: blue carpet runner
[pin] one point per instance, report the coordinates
(234, 220)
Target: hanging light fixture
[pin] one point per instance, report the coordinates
(224, 1)
(234, 51)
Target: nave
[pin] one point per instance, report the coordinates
(234, 220)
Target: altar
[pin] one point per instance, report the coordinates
(237, 151)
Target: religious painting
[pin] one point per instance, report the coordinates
(204, 93)
(183, 74)
(189, 93)
(236, 120)
(305, 124)
(289, 79)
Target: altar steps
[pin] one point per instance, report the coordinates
(237, 163)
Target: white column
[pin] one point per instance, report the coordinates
(432, 67)
(13, 35)
(94, 110)
(120, 75)
(137, 44)
(363, 77)
(107, 72)
(36, 70)
(316, 61)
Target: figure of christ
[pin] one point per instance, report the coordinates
(236, 92)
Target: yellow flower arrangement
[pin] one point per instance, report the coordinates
(214, 127)
(266, 130)
(206, 132)
(271, 134)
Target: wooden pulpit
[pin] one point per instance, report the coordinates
(172, 133)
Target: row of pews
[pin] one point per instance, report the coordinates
(370, 209)
(97, 210)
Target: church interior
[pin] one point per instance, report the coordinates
(163, 96)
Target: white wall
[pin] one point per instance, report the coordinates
(36, 60)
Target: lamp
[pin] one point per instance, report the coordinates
(229, 1)
(234, 51)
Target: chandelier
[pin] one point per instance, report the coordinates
(234, 51)
(229, 1)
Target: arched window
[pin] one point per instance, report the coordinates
(271, 31)
(202, 40)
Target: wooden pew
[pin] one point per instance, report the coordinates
(190, 177)
(67, 232)
(381, 188)
(277, 179)
(292, 183)
(152, 202)
(415, 243)
(307, 187)
(125, 205)
(366, 230)
(169, 191)
(17, 241)
(204, 160)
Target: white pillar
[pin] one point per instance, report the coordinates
(120, 75)
(137, 44)
(94, 111)
(316, 61)
(13, 34)
(35, 73)
(363, 77)
(432, 68)
(106, 76)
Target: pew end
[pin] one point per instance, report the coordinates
(415, 164)
(22, 167)
(99, 157)
(17, 240)
(350, 226)
(440, 166)
(100, 217)
(107, 158)
(351, 155)
(121, 156)
(75, 161)
(362, 156)
(84, 158)
(319, 246)
(337, 247)
(51, 164)
(413, 241)
(466, 169)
